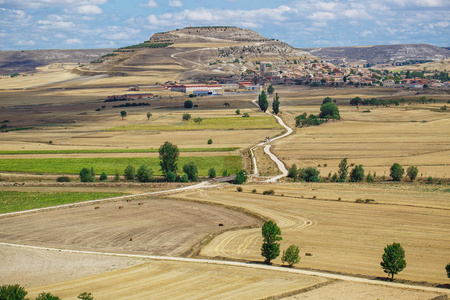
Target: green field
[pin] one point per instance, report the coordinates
(75, 151)
(227, 123)
(17, 201)
(110, 165)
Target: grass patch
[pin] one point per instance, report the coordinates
(110, 165)
(17, 201)
(227, 123)
(74, 151)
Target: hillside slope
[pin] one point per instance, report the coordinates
(382, 53)
(26, 61)
(195, 52)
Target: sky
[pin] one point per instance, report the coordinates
(87, 24)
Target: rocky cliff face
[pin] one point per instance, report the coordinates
(383, 53)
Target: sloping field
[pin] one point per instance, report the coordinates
(159, 227)
(342, 236)
(179, 280)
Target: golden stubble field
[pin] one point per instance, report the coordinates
(343, 236)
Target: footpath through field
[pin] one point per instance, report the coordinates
(246, 265)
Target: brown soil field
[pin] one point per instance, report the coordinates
(343, 236)
(159, 227)
(180, 280)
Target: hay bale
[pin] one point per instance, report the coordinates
(141, 203)
(308, 254)
(131, 239)
(97, 207)
(120, 207)
(220, 224)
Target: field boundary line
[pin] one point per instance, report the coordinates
(242, 264)
(203, 184)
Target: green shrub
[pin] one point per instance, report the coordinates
(357, 174)
(212, 173)
(12, 292)
(397, 172)
(254, 191)
(191, 171)
(144, 174)
(269, 192)
(210, 141)
(47, 296)
(188, 104)
(239, 189)
(186, 117)
(63, 179)
(103, 177)
(87, 175)
(171, 176)
(129, 173)
(291, 255)
(309, 174)
(241, 177)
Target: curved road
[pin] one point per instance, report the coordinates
(272, 156)
(247, 265)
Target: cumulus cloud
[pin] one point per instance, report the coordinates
(49, 24)
(175, 3)
(150, 4)
(74, 42)
(87, 10)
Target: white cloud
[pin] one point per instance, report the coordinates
(25, 43)
(443, 24)
(48, 24)
(150, 4)
(366, 33)
(175, 3)
(118, 33)
(35, 4)
(87, 10)
(322, 16)
(74, 42)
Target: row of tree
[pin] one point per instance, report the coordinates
(357, 174)
(328, 110)
(17, 292)
(264, 104)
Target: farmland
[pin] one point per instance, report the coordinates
(111, 165)
(17, 201)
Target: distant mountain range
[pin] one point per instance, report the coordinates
(200, 51)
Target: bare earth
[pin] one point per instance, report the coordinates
(158, 227)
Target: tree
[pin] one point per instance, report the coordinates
(238, 112)
(270, 90)
(271, 234)
(198, 120)
(357, 174)
(309, 174)
(168, 156)
(129, 173)
(87, 175)
(212, 172)
(12, 292)
(47, 296)
(397, 172)
(123, 114)
(144, 174)
(85, 296)
(276, 104)
(447, 268)
(293, 172)
(412, 172)
(355, 101)
(210, 142)
(343, 170)
(186, 117)
(329, 110)
(171, 177)
(262, 101)
(326, 100)
(393, 259)
(149, 114)
(291, 255)
(188, 104)
(191, 171)
(241, 177)
(103, 177)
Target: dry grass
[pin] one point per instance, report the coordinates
(343, 236)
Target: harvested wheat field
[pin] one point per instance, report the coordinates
(158, 227)
(181, 280)
(342, 236)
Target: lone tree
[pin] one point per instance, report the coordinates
(262, 101)
(212, 172)
(291, 255)
(393, 259)
(198, 120)
(188, 104)
(271, 234)
(276, 104)
(186, 117)
(129, 173)
(397, 172)
(123, 114)
(412, 172)
(149, 114)
(329, 110)
(270, 89)
(357, 174)
(343, 170)
(191, 171)
(168, 156)
(447, 268)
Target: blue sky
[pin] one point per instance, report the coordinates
(77, 24)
